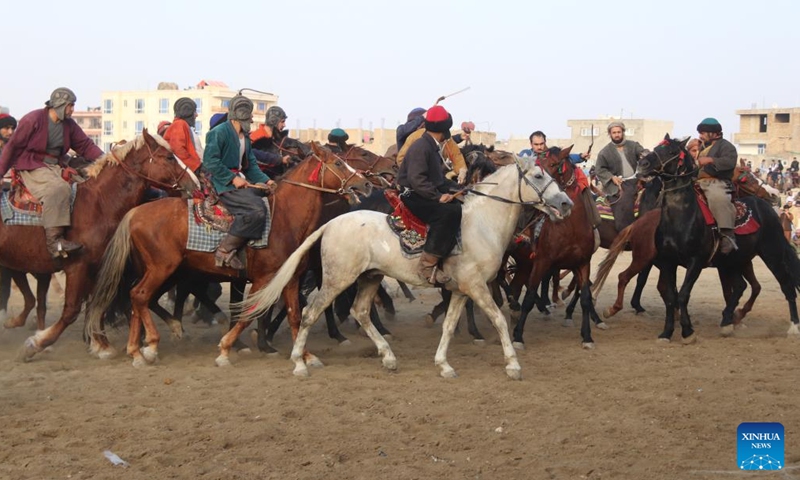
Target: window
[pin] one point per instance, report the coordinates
(95, 139)
(95, 124)
(587, 132)
(262, 106)
(124, 104)
(124, 124)
(107, 147)
(198, 127)
(163, 105)
(139, 107)
(762, 149)
(108, 106)
(630, 131)
(108, 128)
(782, 118)
(139, 127)
(226, 103)
(199, 103)
(762, 123)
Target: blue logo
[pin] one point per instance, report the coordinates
(759, 446)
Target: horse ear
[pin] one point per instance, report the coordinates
(666, 137)
(316, 149)
(147, 137)
(565, 153)
(685, 141)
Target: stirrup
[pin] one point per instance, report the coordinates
(227, 259)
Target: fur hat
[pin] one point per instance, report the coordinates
(710, 125)
(274, 116)
(7, 120)
(437, 120)
(417, 112)
(59, 99)
(338, 135)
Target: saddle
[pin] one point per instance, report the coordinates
(604, 206)
(405, 225)
(21, 198)
(745, 222)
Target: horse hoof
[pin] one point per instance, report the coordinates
(740, 326)
(150, 354)
(300, 372)
(794, 331)
(139, 362)
(567, 322)
(313, 361)
(559, 303)
(106, 353)
(587, 345)
(737, 316)
(479, 342)
(388, 336)
(429, 320)
(514, 373)
(602, 326)
(608, 312)
(345, 343)
(518, 346)
(448, 373)
(28, 350)
(515, 314)
(176, 329)
(692, 339)
(14, 323)
(390, 364)
(726, 331)
(663, 340)
(244, 351)
(223, 361)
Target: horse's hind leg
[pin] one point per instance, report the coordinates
(362, 307)
(755, 290)
(5, 292)
(42, 287)
(21, 279)
(388, 303)
(641, 281)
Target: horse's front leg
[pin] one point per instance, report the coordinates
(693, 270)
(483, 298)
(457, 301)
(237, 327)
(669, 294)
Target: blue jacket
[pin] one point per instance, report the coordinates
(406, 129)
(221, 157)
(575, 158)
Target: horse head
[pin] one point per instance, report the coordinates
(150, 159)
(478, 165)
(669, 159)
(556, 162)
(543, 193)
(336, 175)
(380, 170)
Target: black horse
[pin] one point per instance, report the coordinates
(683, 238)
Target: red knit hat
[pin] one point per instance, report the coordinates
(438, 120)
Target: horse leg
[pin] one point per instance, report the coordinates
(76, 290)
(362, 311)
(785, 272)
(42, 287)
(21, 279)
(406, 291)
(755, 290)
(456, 306)
(641, 281)
(542, 304)
(483, 298)
(669, 294)
(734, 280)
(333, 329)
(5, 292)
(376, 320)
(262, 343)
(527, 305)
(388, 303)
(175, 326)
(231, 338)
(141, 294)
(477, 338)
(236, 296)
(693, 270)
(439, 308)
(586, 305)
(573, 302)
(275, 323)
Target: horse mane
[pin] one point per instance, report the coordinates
(119, 152)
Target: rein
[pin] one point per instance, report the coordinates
(519, 190)
(321, 173)
(152, 181)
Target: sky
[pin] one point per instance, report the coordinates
(530, 65)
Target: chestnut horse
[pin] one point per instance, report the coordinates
(155, 236)
(117, 183)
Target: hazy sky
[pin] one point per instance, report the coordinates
(530, 65)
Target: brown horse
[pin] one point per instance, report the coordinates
(117, 183)
(563, 245)
(155, 235)
(39, 301)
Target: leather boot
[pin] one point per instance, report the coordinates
(56, 245)
(225, 254)
(429, 271)
(728, 241)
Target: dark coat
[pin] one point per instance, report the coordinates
(724, 154)
(422, 169)
(609, 163)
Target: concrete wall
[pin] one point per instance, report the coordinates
(781, 140)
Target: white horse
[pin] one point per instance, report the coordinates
(359, 246)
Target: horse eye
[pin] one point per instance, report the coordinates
(338, 163)
(538, 176)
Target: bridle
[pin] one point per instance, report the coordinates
(319, 172)
(152, 181)
(368, 173)
(522, 176)
(663, 163)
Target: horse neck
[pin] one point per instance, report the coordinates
(494, 221)
(113, 192)
(679, 208)
(299, 206)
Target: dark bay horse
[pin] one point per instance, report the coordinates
(39, 301)
(683, 238)
(155, 236)
(117, 183)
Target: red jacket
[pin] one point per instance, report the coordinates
(27, 146)
(180, 141)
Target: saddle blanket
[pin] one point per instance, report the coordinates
(604, 208)
(30, 218)
(204, 238)
(745, 222)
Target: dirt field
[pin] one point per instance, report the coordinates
(630, 409)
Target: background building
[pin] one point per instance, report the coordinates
(126, 113)
(768, 132)
(4, 109)
(91, 122)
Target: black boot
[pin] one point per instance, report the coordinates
(225, 254)
(56, 245)
(728, 241)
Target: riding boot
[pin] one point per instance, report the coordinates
(56, 245)
(225, 254)
(429, 271)
(728, 241)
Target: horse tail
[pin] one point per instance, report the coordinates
(613, 252)
(105, 290)
(259, 302)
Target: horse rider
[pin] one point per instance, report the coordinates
(36, 151)
(617, 162)
(337, 141)
(454, 164)
(7, 126)
(232, 165)
(414, 121)
(180, 135)
(717, 159)
(539, 150)
(425, 194)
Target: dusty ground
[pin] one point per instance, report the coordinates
(630, 409)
